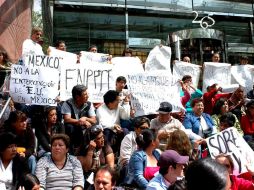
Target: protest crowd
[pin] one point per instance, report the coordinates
(184, 139)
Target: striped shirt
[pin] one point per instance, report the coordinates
(52, 178)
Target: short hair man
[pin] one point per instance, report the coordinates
(171, 165)
(93, 49)
(105, 178)
(216, 57)
(110, 113)
(32, 46)
(165, 124)
(244, 60)
(60, 45)
(186, 59)
(78, 114)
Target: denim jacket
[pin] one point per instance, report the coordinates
(191, 121)
(137, 164)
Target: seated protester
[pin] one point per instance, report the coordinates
(185, 93)
(48, 126)
(129, 144)
(172, 166)
(94, 152)
(207, 174)
(164, 124)
(180, 142)
(143, 163)
(109, 115)
(25, 138)
(236, 103)
(13, 167)
(120, 87)
(60, 170)
(105, 178)
(200, 123)
(220, 108)
(213, 93)
(236, 182)
(195, 93)
(78, 114)
(247, 122)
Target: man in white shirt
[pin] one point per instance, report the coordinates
(31, 46)
(109, 115)
(164, 124)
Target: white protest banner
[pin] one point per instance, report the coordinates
(97, 77)
(90, 57)
(181, 68)
(68, 58)
(149, 89)
(243, 75)
(34, 84)
(216, 73)
(159, 58)
(230, 142)
(122, 66)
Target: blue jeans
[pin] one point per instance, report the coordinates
(32, 163)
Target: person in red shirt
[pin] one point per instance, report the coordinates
(214, 92)
(237, 183)
(247, 122)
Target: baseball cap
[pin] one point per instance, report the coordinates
(165, 107)
(170, 157)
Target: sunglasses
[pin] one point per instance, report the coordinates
(96, 129)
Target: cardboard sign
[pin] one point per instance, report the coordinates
(90, 57)
(97, 77)
(33, 84)
(181, 68)
(231, 142)
(149, 89)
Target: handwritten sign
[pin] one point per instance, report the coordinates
(42, 61)
(243, 75)
(32, 84)
(231, 142)
(216, 73)
(67, 57)
(159, 59)
(90, 57)
(149, 89)
(97, 77)
(182, 68)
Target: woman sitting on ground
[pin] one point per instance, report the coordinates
(46, 129)
(247, 122)
(60, 170)
(94, 152)
(220, 108)
(25, 138)
(12, 166)
(143, 163)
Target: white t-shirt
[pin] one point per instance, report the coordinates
(6, 176)
(31, 47)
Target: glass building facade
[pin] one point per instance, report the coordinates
(140, 24)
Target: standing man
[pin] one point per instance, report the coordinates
(78, 114)
(171, 165)
(32, 46)
(60, 45)
(216, 57)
